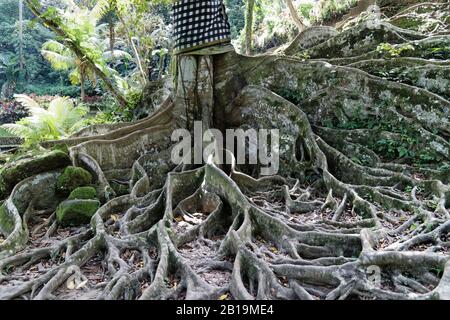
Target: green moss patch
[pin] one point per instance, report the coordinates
(19, 170)
(76, 212)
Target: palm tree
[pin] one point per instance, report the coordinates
(77, 26)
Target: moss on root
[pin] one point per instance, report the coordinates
(72, 178)
(14, 172)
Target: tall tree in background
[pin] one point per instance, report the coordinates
(360, 189)
(249, 14)
(92, 57)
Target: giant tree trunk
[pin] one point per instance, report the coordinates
(194, 99)
(344, 217)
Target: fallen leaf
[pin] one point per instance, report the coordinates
(224, 296)
(179, 219)
(114, 217)
(273, 249)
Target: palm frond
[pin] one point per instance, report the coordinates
(60, 107)
(55, 46)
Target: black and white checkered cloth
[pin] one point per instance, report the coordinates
(199, 23)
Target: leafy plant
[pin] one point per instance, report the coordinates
(304, 55)
(437, 53)
(58, 121)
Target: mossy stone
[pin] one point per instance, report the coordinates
(72, 178)
(76, 212)
(19, 170)
(83, 193)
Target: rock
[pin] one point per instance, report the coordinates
(72, 178)
(76, 212)
(83, 193)
(19, 170)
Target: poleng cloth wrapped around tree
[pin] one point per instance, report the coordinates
(199, 24)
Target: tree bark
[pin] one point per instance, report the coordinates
(294, 14)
